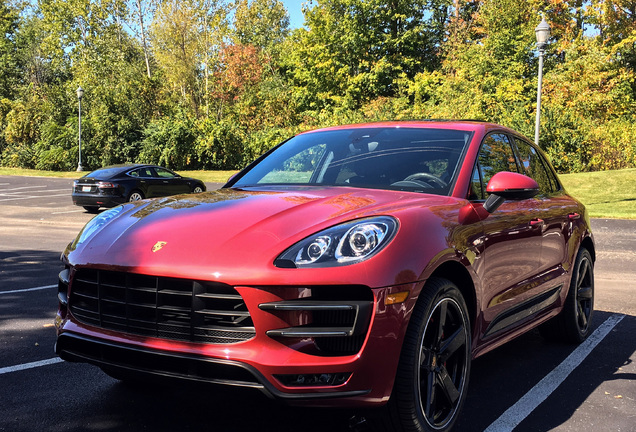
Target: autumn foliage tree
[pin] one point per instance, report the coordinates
(214, 83)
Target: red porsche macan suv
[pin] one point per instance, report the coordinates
(361, 266)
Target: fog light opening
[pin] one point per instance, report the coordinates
(314, 380)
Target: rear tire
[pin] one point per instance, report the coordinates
(135, 196)
(197, 189)
(573, 324)
(432, 378)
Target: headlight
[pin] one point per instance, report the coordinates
(344, 244)
(96, 224)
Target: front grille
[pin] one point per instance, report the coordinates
(167, 308)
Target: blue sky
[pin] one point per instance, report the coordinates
(295, 12)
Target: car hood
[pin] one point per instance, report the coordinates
(229, 231)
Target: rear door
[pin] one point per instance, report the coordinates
(142, 181)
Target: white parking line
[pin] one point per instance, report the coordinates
(45, 192)
(544, 388)
(30, 197)
(70, 211)
(28, 289)
(24, 187)
(31, 365)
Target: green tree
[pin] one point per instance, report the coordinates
(354, 50)
(186, 36)
(261, 23)
(9, 75)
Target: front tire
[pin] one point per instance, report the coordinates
(432, 378)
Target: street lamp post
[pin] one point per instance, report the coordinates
(543, 34)
(80, 94)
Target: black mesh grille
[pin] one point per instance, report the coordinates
(167, 308)
(338, 345)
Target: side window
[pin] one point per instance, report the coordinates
(140, 172)
(164, 173)
(476, 191)
(534, 166)
(496, 155)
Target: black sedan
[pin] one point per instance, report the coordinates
(114, 185)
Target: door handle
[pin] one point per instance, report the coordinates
(537, 222)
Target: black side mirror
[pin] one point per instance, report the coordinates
(509, 186)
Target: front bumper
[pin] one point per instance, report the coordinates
(282, 359)
(103, 353)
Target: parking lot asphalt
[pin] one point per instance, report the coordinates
(526, 385)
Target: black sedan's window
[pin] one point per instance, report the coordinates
(164, 173)
(104, 173)
(141, 172)
(414, 159)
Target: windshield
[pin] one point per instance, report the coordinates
(414, 159)
(104, 173)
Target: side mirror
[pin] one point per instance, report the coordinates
(509, 186)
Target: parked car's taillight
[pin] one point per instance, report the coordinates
(105, 185)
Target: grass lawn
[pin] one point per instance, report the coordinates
(606, 194)
(206, 176)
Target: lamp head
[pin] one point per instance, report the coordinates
(80, 93)
(543, 33)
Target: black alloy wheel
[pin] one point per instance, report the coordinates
(432, 378)
(573, 324)
(584, 288)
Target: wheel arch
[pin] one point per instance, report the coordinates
(459, 275)
(588, 244)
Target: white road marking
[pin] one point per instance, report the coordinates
(45, 192)
(31, 197)
(24, 187)
(69, 211)
(544, 388)
(27, 289)
(31, 365)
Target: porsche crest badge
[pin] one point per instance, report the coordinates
(158, 246)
